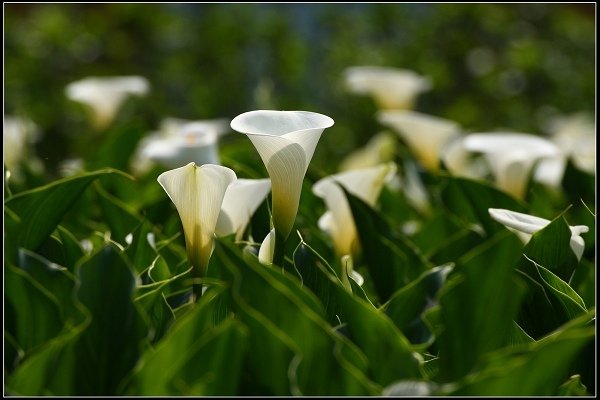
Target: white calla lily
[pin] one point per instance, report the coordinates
(267, 249)
(18, 136)
(391, 88)
(575, 136)
(285, 141)
(511, 156)
(525, 225)
(338, 222)
(179, 142)
(105, 95)
(380, 149)
(198, 193)
(424, 134)
(241, 200)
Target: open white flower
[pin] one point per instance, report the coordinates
(392, 88)
(511, 156)
(105, 95)
(575, 136)
(380, 149)
(338, 222)
(241, 200)
(179, 142)
(525, 225)
(424, 134)
(285, 141)
(198, 193)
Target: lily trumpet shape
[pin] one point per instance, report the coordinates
(525, 225)
(424, 134)
(179, 142)
(286, 142)
(198, 193)
(241, 200)
(105, 95)
(391, 88)
(338, 222)
(511, 156)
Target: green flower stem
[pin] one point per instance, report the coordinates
(278, 254)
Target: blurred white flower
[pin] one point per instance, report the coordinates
(198, 193)
(241, 200)
(380, 149)
(575, 136)
(424, 134)
(285, 141)
(338, 222)
(391, 88)
(179, 142)
(511, 157)
(525, 225)
(460, 162)
(19, 134)
(105, 95)
(70, 167)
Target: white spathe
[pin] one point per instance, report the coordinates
(379, 149)
(105, 95)
(267, 249)
(241, 200)
(424, 134)
(391, 88)
(511, 156)
(525, 225)
(198, 193)
(286, 142)
(338, 222)
(179, 142)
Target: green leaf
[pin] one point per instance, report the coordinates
(71, 248)
(40, 210)
(391, 259)
(109, 348)
(572, 387)
(119, 218)
(483, 291)
(407, 305)
(470, 200)
(536, 369)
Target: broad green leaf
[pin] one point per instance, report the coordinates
(195, 351)
(40, 210)
(119, 218)
(572, 387)
(71, 248)
(33, 315)
(469, 200)
(391, 259)
(327, 364)
(407, 305)
(584, 281)
(109, 348)
(158, 312)
(535, 369)
(478, 305)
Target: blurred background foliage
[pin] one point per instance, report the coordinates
(492, 66)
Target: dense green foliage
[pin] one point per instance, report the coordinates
(97, 281)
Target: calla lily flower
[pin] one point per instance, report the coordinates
(424, 134)
(575, 136)
(285, 141)
(392, 88)
(241, 200)
(525, 225)
(380, 149)
(180, 142)
(198, 193)
(511, 156)
(17, 139)
(267, 249)
(105, 95)
(338, 222)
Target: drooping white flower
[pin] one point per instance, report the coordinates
(338, 222)
(179, 142)
(575, 136)
(424, 134)
(198, 193)
(241, 200)
(525, 225)
(511, 156)
(285, 141)
(391, 88)
(105, 95)
(380, 149)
